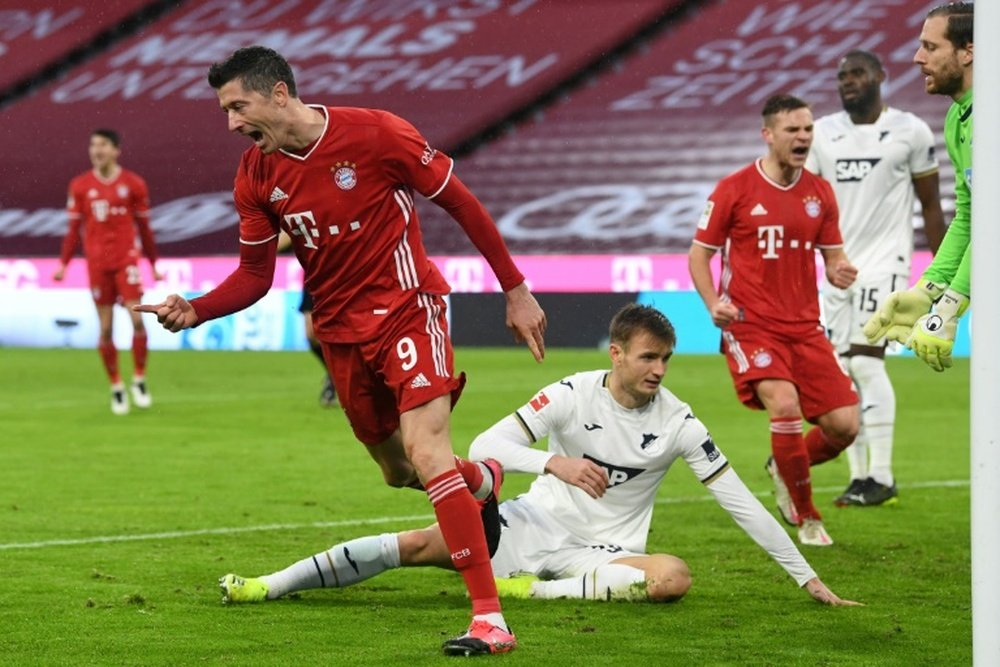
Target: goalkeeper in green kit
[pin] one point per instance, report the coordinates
(925, 317)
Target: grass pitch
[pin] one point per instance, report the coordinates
(113, 530)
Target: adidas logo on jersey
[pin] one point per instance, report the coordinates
(277, 194)
(758, 210)
(420, 381)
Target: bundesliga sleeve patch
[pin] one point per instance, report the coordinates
(539, 402)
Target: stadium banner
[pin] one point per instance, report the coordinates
(450, 67)
(575, 290)
(34, 34)
(626, 163)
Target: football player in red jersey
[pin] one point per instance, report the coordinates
(110, 202)
(769, 219)
(341, 181)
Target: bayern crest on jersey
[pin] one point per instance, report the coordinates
(344, 175)
(122, 190)
(813, 208)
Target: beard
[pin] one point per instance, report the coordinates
(948, 82)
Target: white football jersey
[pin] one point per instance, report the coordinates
(871, 169)
(636, 448)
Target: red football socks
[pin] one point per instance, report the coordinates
(109, 355)
(792, 458)
(139, 354)
(820, 449)
(462, 527)
(471, 473)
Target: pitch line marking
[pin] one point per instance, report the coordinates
(172, 535)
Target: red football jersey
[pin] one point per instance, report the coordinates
(347, 203)
(109, 210)
(769, 235)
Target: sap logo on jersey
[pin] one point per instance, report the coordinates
(616, 474)
(851, 170)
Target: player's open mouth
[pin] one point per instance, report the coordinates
(801, 151)
(256, 135)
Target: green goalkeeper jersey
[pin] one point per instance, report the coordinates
(951, 264)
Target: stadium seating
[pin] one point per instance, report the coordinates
(451, 68)
(625, 164)
(34, 35)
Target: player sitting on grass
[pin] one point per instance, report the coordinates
(581, 529)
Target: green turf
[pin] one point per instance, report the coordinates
(236, 441)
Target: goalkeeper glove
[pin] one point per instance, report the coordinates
(895, 319)
(933, 335)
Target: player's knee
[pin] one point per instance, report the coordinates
(668, 580)
(419, 547)
(782, 403)
(842, 430)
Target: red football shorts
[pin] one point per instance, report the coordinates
(807, 360)
(411, 363)
(122, 285)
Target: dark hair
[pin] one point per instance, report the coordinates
(110, 135)
(959, 15)
(870, 58)
(257, 67)
(775, 104)
(633, 318)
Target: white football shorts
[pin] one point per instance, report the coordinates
(846, 311)
(533, 542)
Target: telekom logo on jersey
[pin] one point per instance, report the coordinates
(304, 225)
(769, 239)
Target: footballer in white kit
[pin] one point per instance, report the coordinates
(872, 169)
(556, 530)
(876, 158)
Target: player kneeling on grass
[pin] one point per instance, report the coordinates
(580, 531)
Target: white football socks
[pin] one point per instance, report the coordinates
(857, 455)
(606, 582)
(341, 565)
(878, 414)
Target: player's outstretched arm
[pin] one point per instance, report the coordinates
(895, 318)
(819, 592)
(526, 320)
(174, 313)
